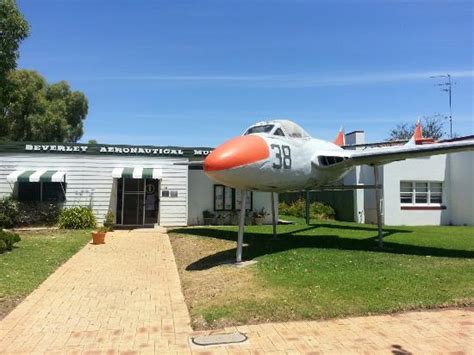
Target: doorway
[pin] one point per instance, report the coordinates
(138, 201)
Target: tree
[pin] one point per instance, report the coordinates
(38, 111)
(13, 29)
(432, 127)
(92, 141)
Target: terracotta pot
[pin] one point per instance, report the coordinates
(258, 221)
(98, 237)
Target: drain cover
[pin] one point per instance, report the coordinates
(219, 339)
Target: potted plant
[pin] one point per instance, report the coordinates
(259, 216)
(109, 221)
(208, 218)
(98, 235)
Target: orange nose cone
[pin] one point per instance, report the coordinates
(237, 152)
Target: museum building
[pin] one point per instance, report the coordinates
(140, 185)
(149, 185)
(435, 190)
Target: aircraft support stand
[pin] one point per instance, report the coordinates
(377, 205)
(306, 201)
(240, 235)
(274, 221)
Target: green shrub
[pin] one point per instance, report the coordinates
(283, 208)
(5, 221)
(109, 221)
(15, 213)
(77, 218)
(7, 240)
(38, 214)
(317, 210)
(8, 212)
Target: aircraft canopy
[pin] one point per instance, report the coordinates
(278, 128)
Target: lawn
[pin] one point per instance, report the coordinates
(33, 260)
(327, 269)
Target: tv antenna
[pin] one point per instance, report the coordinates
(446, 86)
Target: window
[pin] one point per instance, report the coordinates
(229, 199)
(260, 129)
(41, 191)
(278, 132)
(421, 192)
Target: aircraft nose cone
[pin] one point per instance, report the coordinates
(237, 152)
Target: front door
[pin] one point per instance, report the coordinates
(152, 203)
(138, 201)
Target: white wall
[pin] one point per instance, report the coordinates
(461, 167)
(90, 183)
(201, 195)
(367, 177)
(419, 169)
(354, 177)
(201, 198)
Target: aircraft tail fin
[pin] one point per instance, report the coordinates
(417, 137)
(340, 138)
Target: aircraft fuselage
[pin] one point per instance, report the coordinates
(281, 163)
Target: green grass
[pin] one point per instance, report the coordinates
(331, 269)
(33, 260)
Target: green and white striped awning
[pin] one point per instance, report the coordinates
(137, 173)
(39, 175)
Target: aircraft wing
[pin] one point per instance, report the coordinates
(380, 156)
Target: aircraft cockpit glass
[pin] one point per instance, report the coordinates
(278, 132)
(259, 129)
(282, 128)
(293, 130)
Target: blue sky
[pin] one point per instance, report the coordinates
(199, 72)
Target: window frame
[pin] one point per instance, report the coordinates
(41, 194)
(414, 192)
(233, 199)
(267, 129)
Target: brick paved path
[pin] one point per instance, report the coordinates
(437, 332)
(122, 295)
(125, 297)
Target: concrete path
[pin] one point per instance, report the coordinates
(125, 297)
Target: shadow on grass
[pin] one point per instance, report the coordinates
(259, 244)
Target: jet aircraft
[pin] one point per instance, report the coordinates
(279, 156)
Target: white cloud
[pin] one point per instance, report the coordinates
(289, 80)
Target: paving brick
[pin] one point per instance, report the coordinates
(124, 297)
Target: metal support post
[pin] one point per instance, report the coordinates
(274, 221)
(306, 200)
(240, 235)
(377, 206)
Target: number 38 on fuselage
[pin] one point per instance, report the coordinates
(272, 156)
